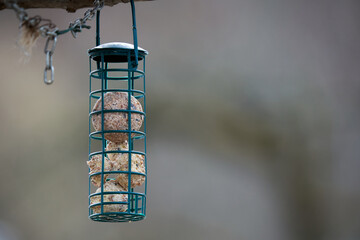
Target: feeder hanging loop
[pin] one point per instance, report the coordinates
(134, 64)
(49, 50)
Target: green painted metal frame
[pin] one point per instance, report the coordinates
(136, 203)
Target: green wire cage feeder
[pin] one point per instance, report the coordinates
(117, 130)
(117, 120)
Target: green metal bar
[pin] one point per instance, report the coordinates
(115, 172)
(136, 203)
(132, 82)
(60, 32)
(118, 110)
(97, 37)
(117, 151)
(102, 135)
(129, 132)
(134, 34)
(97, 28)
(145, 158)
(123, 192)
(89, 180)
(123, 78)
(140, 134)
(118, 90)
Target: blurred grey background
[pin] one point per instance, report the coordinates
(253, 123)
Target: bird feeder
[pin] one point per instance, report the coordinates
(117, 131)
(117, 120)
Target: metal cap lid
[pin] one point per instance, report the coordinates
(116, 52)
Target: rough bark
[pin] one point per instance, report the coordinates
(69, 5)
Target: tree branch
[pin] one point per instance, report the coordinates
(69, 5)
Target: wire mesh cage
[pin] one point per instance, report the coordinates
(117, 130)
(117, 133)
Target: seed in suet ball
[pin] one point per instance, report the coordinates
(117, 120)
(110, 186)
(95, 164)
(121, 160)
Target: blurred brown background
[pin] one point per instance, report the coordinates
(253, 123)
